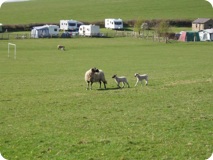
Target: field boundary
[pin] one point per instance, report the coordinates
(147, 35)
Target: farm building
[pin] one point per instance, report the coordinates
(45, 31)
(89, 30)
(189, 36)
(206, 35)
(112, 23)
(201, 24)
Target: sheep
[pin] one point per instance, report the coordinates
(61, 47)
(122, 79)
(95, 75)
(141, 78)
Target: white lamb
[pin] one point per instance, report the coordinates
(122, 79)
(141, 78)
(95, 75)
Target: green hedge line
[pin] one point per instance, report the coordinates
(127, 23)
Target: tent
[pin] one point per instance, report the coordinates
(206, 35)
(189, 36)
(40, 31)
(44, 31)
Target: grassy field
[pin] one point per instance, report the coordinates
(47, 113)
(43, 11)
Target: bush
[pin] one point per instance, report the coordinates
(23, 27)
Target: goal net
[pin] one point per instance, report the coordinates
(14, 46)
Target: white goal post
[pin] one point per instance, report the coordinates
(11, 44)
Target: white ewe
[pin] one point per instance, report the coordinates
(95, 75)
(141, 78)
(122, 79)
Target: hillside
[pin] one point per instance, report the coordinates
(47, 11)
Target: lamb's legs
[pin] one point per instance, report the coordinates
(128, 84)
(136, 83)
(123, 85)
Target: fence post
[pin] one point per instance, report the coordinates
(153, 37)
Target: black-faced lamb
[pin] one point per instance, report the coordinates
(95, 75)
(119, 80)
(141, 78)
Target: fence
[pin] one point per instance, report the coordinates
(147, 35)
(5, 36)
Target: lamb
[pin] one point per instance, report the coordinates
(61, 47)
(122, 79)
(141, 78)
(95, 75)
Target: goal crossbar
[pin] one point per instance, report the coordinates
(11, 44)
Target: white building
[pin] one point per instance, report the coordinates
(112, 23)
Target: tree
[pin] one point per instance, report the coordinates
(163, 29)
(137, 26)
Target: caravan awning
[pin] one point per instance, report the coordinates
(40, 27)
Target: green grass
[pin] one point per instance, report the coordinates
(47, 113)
(46, 11)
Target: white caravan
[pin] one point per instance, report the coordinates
(89, 30)
(53, 30)
(68, 25)
(111, 23)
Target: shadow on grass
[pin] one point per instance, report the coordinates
(108, 89)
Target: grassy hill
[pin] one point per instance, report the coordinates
(97, 10)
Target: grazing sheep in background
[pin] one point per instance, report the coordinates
(141, 78)
(95, 75)
(61, 47)
(122, 79)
